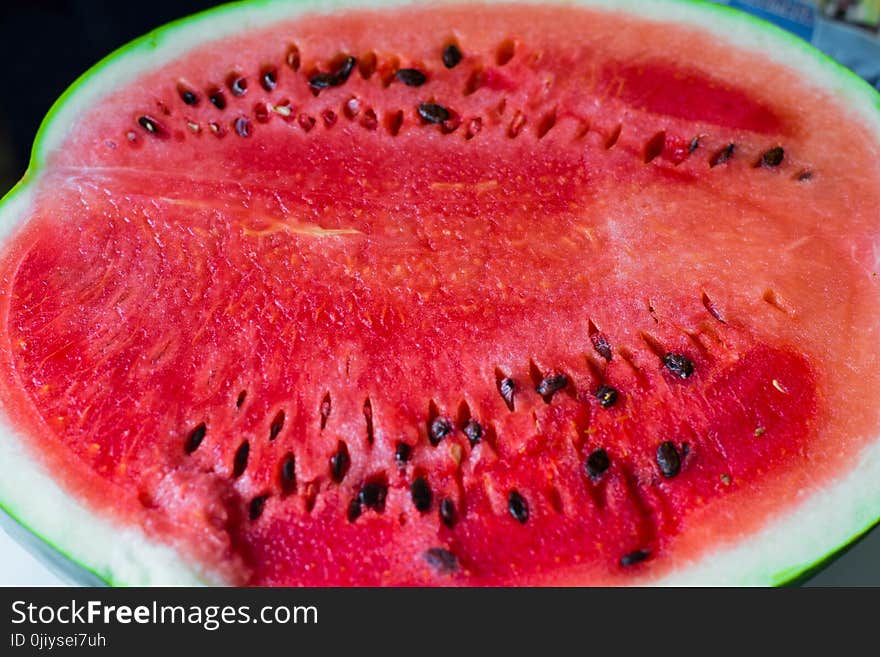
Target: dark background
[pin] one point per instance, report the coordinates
(46, 44)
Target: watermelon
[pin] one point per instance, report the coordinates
(447, 294)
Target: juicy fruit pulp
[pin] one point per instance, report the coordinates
(328, 303)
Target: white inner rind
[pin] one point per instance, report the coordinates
(818, 524)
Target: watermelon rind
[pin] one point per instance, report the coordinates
(90, 548)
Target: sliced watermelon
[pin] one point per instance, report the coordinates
(451, 294)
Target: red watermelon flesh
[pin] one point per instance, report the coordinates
(580, 308)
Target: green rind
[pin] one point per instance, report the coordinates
(52, 129)
(799, 578)
(59, 562)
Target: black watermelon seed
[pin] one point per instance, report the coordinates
(451, 56)
(372, 495)
(433, 113)
(150, 124)
(518, 506)
(195, 438)
(773, 157)
(242, 127)
(679, 365)
(343, 71)
(602, 346)
(277, 425)
(552, 384)
(354, 510)
(722, 155)
(668, 459)
(635, 557)
(440, 428)
(597, 463)
(288, 473)
(447, 512)
(188, 96)
(694, 145)
(217, 99)
(441, 560)
(607, 396)
(402, 453)
(238, 85)
(269, 79)
(255, 509)
(411, 77)
(241, 397)
(507, 387)
(421, 494)
(804, 175)
(474, 431)
(323, 81)
(339, 463)
(239, 463)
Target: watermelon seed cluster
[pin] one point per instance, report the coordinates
(428, 112)
(372, 493)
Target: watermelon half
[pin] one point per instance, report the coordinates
(453, 294)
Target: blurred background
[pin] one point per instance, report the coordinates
(46, 44)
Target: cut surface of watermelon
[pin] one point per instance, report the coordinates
(447, 294)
